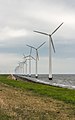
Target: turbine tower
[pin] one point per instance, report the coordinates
(50, 42)
(37, 56)
(30, 62)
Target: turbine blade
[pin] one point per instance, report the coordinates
(31, 46)
(20, 63)
(33, 57)
(23, 54)
(56, 29)
(41, 32)
(25, 61)
(41, 45)
(27, 55)
(24, 57)
(52, 44)
(30, 51)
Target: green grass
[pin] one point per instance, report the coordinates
(4, 116)
(63, 94)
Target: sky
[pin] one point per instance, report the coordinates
(18, 20)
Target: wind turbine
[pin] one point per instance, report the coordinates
(21, 65)
(50, 42)
(17, 70)
(25, 61)
(37, 56)
(30, 58)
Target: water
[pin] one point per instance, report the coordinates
(62, 80)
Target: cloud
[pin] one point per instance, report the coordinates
(8, 62)
(18, 19)
(8, 33)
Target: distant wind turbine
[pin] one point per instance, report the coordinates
(21, 66)
(25, 61)
(50, 42)
(17, 70)
(30, 58)
(37, 56)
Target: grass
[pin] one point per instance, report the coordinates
(21, 100)
(63, 94)
(4, 117)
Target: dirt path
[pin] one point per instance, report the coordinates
(16, 104)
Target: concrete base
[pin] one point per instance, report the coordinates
(25, 74)
(50, 78)
(36, 76)
(29, 75)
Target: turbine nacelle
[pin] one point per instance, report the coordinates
(37, 49)
(50, 35)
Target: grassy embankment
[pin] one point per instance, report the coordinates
(21, 100)
(63, 94)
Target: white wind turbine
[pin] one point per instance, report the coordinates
(17, 70)
(21, 66)
(37, 56)
(30, 58)
(50, 42)
(25, 61)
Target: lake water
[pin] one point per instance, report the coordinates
(62, 80)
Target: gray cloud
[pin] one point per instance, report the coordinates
(21, 17)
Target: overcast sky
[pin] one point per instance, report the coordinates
(18, 19)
